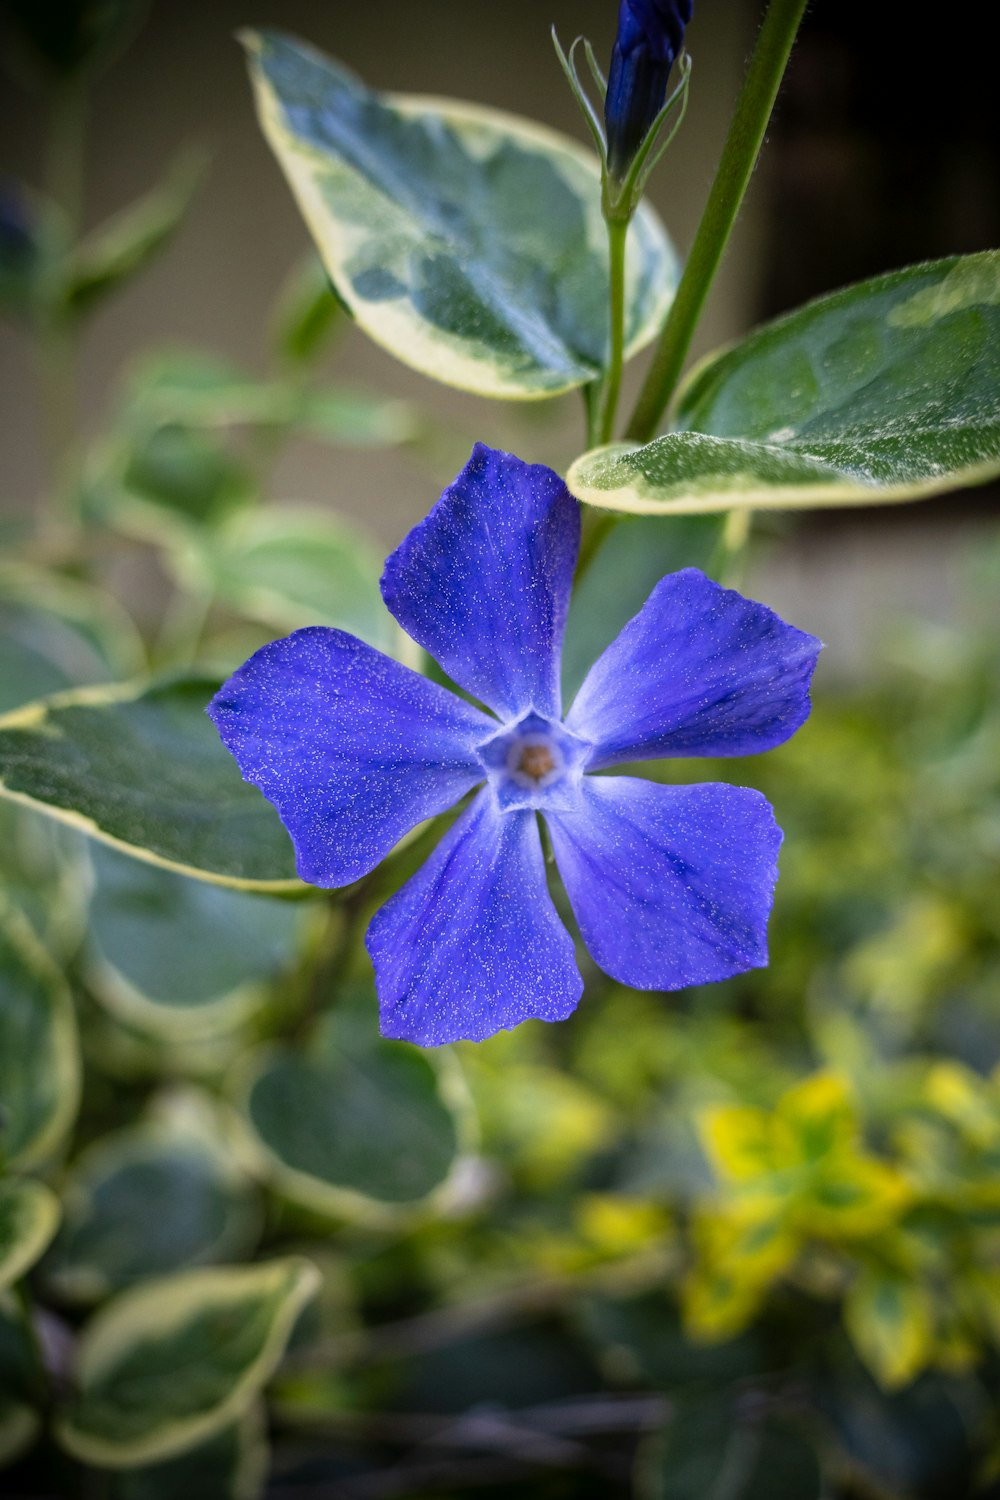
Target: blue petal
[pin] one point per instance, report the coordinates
(472, 943)
(671, 885)
(353, 749)
(698, 671)
(483, 583)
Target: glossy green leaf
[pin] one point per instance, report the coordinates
(178, 956)
(467, 242)
(161, 1196)
(230, 1466)
(144, 769)
(29, 1217)
(39, 1057)
(127, 243)
(717, 1447)
(171, 1363)
(886, 391)
(355, 1126)
(290, 568)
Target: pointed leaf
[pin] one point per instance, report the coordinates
(468, 243)
(886, 391)
(128, 242)
(174, 1361)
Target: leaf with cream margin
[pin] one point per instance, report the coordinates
(39, 1052)
(171, 1363)
(355, 1127)
(29, 1217)
(143, 769)
(884, 392)
(468, 243)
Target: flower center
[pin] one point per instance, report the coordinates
(536, 761)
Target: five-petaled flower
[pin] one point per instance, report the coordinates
(670, 885)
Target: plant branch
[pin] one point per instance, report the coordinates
(739, 156)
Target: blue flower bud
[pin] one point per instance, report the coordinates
(650, 37)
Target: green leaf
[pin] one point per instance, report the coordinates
(230, 1466)
(467, 242)
(171, 1363)
(161, 1196)
(143, 769)
(356, 1127)
(884, 392)
(308, 313)
(29, 1217)
(128, 242)
(289, 568)
(891, 1323)
(716, 1447)
(39, 1057)
(178, 472)
(178, 956)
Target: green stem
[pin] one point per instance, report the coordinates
(617, 236)
(739, 155)
(595, 527)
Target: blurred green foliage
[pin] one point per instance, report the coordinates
(738, 1243)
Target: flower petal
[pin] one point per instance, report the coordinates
(671, 885)
(483, 583)
(353, 749)
(472, 943)
(698, 671)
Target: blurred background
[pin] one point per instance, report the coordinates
(883, 152)
(736, 1243)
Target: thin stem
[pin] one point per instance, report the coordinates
(727, 562)
(739, 155)
(617, 237)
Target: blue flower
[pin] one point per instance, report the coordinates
(649, 38)
(670, 885)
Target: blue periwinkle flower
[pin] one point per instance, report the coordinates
(670, 885)
(649, 39)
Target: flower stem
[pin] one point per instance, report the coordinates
(739, 155)
(617, 236)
